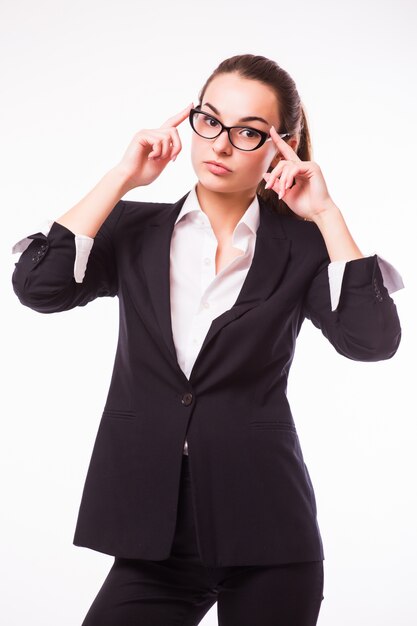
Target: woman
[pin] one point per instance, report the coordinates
(197, 484)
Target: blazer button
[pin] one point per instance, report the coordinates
(187, 398)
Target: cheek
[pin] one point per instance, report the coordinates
(257, 164)
(265, 162)
(196, 151)
(259, 160)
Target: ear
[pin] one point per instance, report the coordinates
(293, 142)
(278, 156)
(276, 159)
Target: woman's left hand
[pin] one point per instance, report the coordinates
(309, 196)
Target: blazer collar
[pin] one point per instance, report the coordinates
(268, 264)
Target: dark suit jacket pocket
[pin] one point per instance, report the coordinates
(272, 424)
(119, 414)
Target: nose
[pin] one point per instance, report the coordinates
(222, 143)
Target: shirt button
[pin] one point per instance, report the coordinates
(194, 341)
(206, 305)
(187, 398)
(207, 261)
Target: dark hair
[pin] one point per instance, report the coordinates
(290, 108)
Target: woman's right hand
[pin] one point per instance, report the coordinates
(151, 150)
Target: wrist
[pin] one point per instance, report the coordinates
(329, 211)
(339, 242)
(120, 178)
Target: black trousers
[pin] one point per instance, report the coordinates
(179, 591)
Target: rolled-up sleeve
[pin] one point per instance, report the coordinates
(390, 275)
(362, 322)
(58, 270)
(83, 245)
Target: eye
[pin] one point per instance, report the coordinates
(251, 133)
(207, 120)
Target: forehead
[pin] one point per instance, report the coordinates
(236, 97)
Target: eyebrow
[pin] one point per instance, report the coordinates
(249, 118)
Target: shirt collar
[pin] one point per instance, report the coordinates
(249, 220)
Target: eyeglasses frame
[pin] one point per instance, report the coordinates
(264, 135)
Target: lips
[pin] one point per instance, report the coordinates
(218, 164)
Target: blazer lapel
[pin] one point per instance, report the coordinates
(154, 262)
(268, 264)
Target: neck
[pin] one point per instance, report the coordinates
(223, 209)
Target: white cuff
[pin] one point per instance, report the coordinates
(335, 270)
(83, 245)
(390, 276)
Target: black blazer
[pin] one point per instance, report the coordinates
(253, 498)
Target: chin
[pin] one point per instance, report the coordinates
(217, 185)
(211, 180)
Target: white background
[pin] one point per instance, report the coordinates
(78, 80)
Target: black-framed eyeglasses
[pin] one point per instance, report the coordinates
(241, 137)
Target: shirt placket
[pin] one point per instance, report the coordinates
(202, 317)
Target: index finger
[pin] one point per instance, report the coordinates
(175, 120)
(285, 149)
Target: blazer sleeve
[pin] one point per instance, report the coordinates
(365, 326)
(43, 278)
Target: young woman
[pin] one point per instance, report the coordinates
(197, 484)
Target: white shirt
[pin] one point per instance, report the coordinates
(198, 295)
